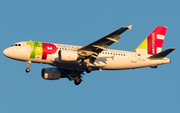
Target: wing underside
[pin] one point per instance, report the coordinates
(92, 50)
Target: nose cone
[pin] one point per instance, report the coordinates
(7, 52)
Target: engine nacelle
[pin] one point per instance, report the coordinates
(51, 73)
(68, 55)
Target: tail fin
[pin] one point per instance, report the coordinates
(154, 42)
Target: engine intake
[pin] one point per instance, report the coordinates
(51, 73)
(68, 55)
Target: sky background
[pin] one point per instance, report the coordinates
(79, 22)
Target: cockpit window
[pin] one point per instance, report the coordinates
(16, 45)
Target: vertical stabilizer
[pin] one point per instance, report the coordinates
(154, 42)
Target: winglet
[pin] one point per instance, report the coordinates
(162, 54)
(129, 27)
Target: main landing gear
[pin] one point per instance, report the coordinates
(88, 69)
(77, 81)
(28, 64)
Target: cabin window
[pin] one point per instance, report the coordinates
(49, 48)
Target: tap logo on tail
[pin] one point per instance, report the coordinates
(154, 42)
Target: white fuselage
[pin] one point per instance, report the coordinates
(108, 60)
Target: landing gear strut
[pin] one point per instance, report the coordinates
(28, 64)
(77, 81)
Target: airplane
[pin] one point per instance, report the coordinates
(72, 61)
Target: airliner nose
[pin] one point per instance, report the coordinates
(7, 52)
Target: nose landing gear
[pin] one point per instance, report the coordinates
(28, 64)
(27, 70)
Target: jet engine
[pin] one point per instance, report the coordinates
(68, 55)
(51, 73)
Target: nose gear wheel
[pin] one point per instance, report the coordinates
(28, 64)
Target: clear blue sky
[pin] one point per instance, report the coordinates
(80, 22)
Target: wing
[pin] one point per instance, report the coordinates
(93, 49)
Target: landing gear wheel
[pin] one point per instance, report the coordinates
(88, 69)
(77, 81)
(28, 64)
(27, 70)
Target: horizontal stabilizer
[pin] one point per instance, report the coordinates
(162, 54)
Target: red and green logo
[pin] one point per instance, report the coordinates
(41, 49)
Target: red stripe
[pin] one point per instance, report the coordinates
(153, 42)
(149, 44)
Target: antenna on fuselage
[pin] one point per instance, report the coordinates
(30, 40)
